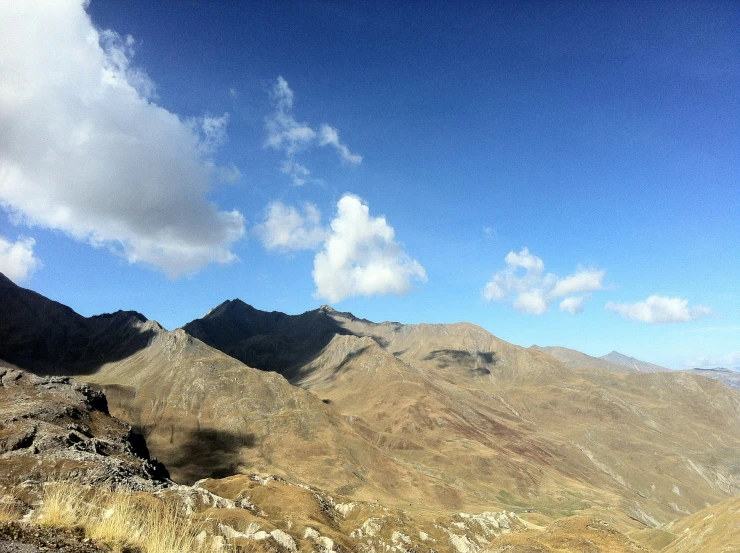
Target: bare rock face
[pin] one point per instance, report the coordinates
(55, 427)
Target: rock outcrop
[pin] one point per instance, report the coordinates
(55, 428)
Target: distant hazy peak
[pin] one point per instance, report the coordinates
(578, 360)
(627, 361)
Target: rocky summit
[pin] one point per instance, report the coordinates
(327, 432)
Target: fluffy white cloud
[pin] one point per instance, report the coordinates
(284, 228)
(290, 136)
(525, 285)
(85, 149)
(17, 260)
(358, 254)
(659, 309)
(362, 257)
(525, 260)
(532, 302)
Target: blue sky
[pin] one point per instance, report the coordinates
(559, 173)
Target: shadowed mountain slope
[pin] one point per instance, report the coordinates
(46, 337)
(204, 413)
(267, 341)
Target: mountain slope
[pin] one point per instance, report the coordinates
(636, 364)
(444, 417)
(715, 529)
(203, 412)
(207, 415)
(510, 424)
(46, 337)
(728, 377)
(266, 341)
(577, 360)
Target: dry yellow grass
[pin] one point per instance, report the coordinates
(63, 505)
(9, 509)
(121, 519)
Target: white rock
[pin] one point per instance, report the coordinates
(345, 508)
(397, 537)
(228, 532)
(463, 544)
(284, 539)
(253, 527)
(326, 543)
(368, 529)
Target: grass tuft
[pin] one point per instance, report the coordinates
(123, 520)
(9, 509)
(63, 505)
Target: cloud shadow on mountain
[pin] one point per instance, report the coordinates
(210, 453)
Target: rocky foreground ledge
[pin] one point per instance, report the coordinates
(54, 428)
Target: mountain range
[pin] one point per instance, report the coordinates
(430, 418)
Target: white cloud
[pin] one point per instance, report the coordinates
(728, 361)
(330, 136)
(361, 256)
(284, 228)
(212, 131)
(298, 173)
(358, 254)
(17, 260)
(585, 280)
(86, 150)
(525, 285)
(525, 260)
(659, 309)
(532, 302)
(290, 136)
(572, 304)
(490, 233)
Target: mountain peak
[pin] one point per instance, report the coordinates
(225, 306)
(5, 281)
